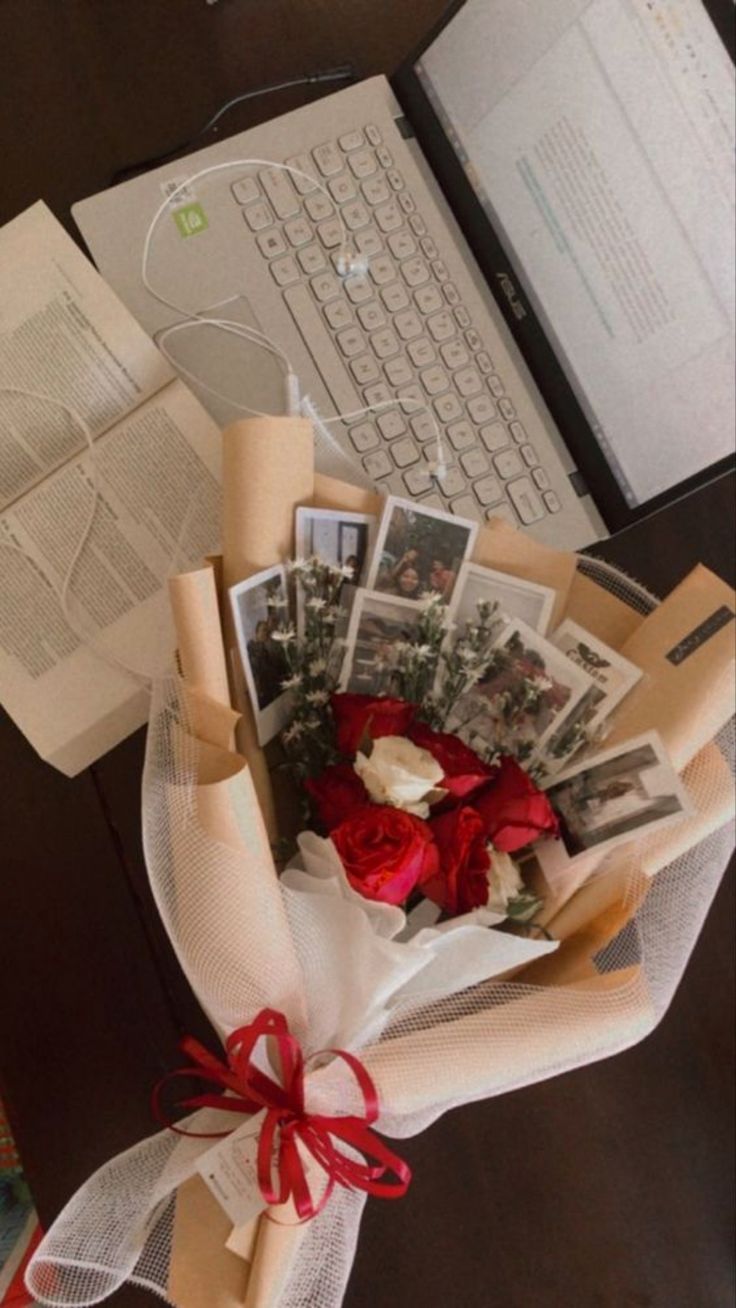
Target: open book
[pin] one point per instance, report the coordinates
(66, 340)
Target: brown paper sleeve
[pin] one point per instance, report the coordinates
(598, 611)
(267, 470)
(203, 1273)
(502, 547)
(687, 691)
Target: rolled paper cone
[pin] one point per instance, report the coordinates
(209, 720)
(196, 610)
(276, 1251)
(687, 651)
(267, 470)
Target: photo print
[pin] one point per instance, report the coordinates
(342, 539)
(612, 678)
(260, 609)
(523, 600)
(526, 687)
(419, 550)
(615, 796)
(377, 623)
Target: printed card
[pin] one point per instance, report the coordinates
(618, 795)
(419, 549)
(341, 539)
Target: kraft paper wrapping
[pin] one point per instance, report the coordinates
(196, 612)
(204, 1272)
(615, 621)
(689, 662)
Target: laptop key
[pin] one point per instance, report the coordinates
(453, 482)
(363, 164)
(384, 157)
(324, 285)
(540, 478)
(434, 380)
(525, 500)
(508, 464)
(398, 372)
(368, 242)
(422, 353)
(451, 294)
(351, 141)
(414, 271)
(382, 269)
(423, 426)
(441, 326)
(464, 507)
(391, 424)
(355, 215)
(327, 158)
(408, 325)
(338, 314)
(371, 316)
(413, 399)
(377, 394)
(388, 217)
(506, 408)
(417, 223)
(406, 202)
(303, 173)
(271, 243)
(358, 288)
(488, 490)
(280, 192)
(311, 259)
(428, 299)
(284, 271)
(440, 270)
(552, 502)
(461, 435)
(429, 249)
(384, 343)
(373, 134)
(529, 455)
(404, 453)
(394, 179)
(298, 232)
(402, 244)
(494, 436)
(378, 465)
(518, 432)
(375, 191)
(468, 381)
(433, 501)
(394, 297)
(474, 463)
(330, 233)
(481, 409)
(502, 511)
(364, 369)
(351, 342)
(454, 354)
(321, 345)
(484, 362)
(364, 437)
(258, 216)
(318, 207)
(495, 385)
(342, 188)
(245, 190)
(417, 481)
(448, 407)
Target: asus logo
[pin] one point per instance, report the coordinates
(512, 295)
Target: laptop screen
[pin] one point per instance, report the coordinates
(598, 136)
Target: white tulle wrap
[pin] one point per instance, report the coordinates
(431, 1033)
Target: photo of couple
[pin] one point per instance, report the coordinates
(419, 551)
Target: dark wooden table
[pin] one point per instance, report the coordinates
(611, 1186)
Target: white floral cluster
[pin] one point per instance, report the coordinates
(463, 661)
(313, 658)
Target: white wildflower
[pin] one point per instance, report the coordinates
(316, 602)
(291, 683)
(317, 667)
(316, 697)
(283, 635)
(293, 732)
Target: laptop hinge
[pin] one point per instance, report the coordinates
(577, 481)
(405, 128)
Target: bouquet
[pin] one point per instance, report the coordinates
(430, 814)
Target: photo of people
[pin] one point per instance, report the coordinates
(612, 677)
(342, 539)
(419, 550)
(515, 598)
(260, 609)
(527, 685)
(377, 623)
(617, 795)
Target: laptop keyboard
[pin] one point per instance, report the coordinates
(398, 331)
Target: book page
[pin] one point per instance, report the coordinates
(158, 509)
(65, 336)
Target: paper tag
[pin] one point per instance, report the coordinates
(229, 1171)
(692, 642)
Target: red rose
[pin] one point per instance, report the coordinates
(385, 852)
(464, 771)
(461, 882)
(514, 810)
(336, 793)
(360, 715)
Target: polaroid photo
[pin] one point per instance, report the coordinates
(526, 687)
(260, 606)
(377, 622)
(343, 539)
(419, 549)
(612, 676)
(524, 600)
(612, 797)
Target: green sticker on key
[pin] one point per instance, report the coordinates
(191, 220)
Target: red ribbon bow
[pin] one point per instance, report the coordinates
(248, 1090)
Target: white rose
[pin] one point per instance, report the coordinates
(504, 880)
(398, 772)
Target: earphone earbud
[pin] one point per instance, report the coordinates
(349, 264)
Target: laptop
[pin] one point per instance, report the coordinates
(526, 305)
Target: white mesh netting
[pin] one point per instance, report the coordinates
(241, 949)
